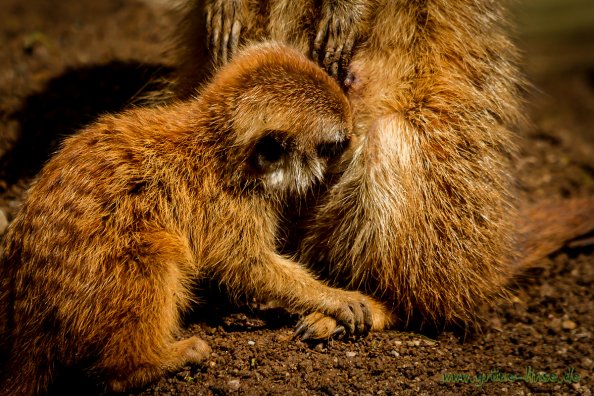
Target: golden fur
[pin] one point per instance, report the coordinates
(421, 217)
(99, 262)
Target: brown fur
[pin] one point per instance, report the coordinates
(99, 262)
(424, 216)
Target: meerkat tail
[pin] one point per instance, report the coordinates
(547, 226)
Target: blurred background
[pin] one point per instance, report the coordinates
(556, 35)
(556, 39)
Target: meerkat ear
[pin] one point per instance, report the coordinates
(269, 152)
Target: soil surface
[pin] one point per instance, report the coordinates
(63, 63)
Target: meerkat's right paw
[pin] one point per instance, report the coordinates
(317, 326)
(350, 310)
(338, 30)
(224, 20)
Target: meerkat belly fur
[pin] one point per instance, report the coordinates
(99, 262)
(421, 217)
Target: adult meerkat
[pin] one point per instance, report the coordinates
(98, 264)
(423, 216)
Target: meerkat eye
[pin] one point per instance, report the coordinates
(268, 151)
(332, 149)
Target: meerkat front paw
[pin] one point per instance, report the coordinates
(339, 28)
(373, 316)
(224, 21)
(317, 326)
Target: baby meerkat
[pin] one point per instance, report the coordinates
(99, 262)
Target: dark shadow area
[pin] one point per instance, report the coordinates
(216, 309)
(69, 102)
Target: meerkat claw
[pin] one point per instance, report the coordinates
(338, 332)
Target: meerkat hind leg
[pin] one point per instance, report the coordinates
(190, 350)
(143, 346)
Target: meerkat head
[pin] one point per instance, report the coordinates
(282, 119)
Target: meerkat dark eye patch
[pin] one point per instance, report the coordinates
(269, 151)
(332, 149)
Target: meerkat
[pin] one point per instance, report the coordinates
(99, 262)
(423, 216)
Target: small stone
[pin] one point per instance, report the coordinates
(568, 325)
(284, 337)
(397, 342)
(395, 353)
(576, 386)
(562, 351)
(234, 384)
(351, 354)
(554, 324)
(251, 343)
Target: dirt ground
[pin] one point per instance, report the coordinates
(63, 63)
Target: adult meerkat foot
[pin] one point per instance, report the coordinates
(354, 314)
(224, 20)
(339, 28)
(317, 326)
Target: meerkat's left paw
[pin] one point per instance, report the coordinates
(224, 21)
(341, 25)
